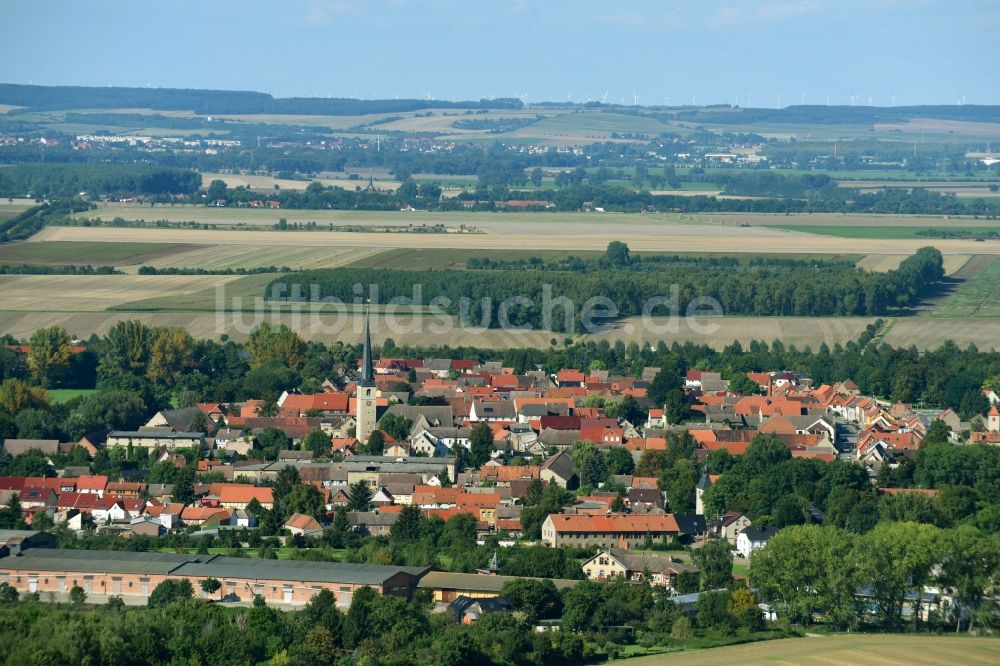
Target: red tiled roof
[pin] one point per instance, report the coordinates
(615, 523)
(241, 493)
(302, 522)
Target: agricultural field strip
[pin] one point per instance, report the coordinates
(504, 222)
(94, 293)
(978, 296)
(665, 238)
(887, 262)
(97, 253)
(922, 332)
(884, 232)
(257, 256)
(857, 648)
(267, 183)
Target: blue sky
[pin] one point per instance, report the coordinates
(920, 51)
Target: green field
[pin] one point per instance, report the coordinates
(95, 253)
(60, 396)
(978, 297)
(877, 231)
(888, 649)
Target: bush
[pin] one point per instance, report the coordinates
(681, 628)
(8, 594)
(77, 595)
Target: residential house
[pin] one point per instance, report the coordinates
(155, 438)
(239, 495)
(752, 538)
(467, 610)
(631, 566)
(608, 530)
(301, 524)
(732, 525)
(560, 470)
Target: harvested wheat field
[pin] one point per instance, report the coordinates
(663, 237)
(238, 326)
(720, 331)
(888, 262)
(929, 332)
(258, 256)
(884, 649)
(94, 293)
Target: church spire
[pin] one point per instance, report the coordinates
(367, 374)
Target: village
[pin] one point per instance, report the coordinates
(474, 439)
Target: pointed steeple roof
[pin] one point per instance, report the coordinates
(367, 372)
(704, 483)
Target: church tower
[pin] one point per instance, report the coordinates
(699, 492)
(993, 420)
(364, 409)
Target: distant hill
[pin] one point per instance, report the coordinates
(204, 102)
(819, 114)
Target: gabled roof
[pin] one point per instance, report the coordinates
(560, 464)
(96, 482)
(760, 533)
(241, 493)
(615, 523)
(301, 521)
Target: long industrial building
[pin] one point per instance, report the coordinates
(134, 576)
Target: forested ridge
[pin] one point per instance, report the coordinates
(219, 101)
(802, 290)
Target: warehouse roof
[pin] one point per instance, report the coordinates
(55, 560)
(51, 559)
(477, 582)
(316, 572)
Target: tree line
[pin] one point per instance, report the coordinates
(67, 180)
(478, 296)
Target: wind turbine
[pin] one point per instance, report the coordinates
(604, 100)
(749, 95)
(635, 99)
(779, 100)
(802, 100)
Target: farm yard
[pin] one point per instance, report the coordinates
(888, 649)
